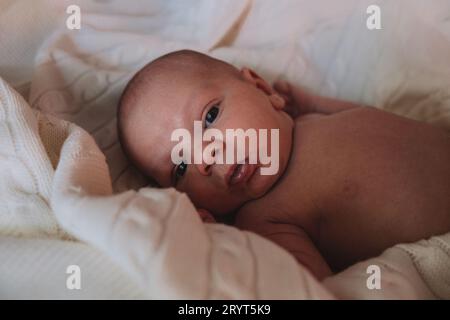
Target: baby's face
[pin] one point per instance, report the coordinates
(220, 103)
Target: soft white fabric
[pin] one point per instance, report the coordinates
(408, 271)
(154, 235)
(24, 25)
(36, 268)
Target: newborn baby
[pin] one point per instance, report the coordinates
(352, 180)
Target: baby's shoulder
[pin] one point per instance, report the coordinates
(260, 214)
(255, 214)
(269, 221)
(351, 113)
(309, 117)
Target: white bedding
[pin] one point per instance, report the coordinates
(78, 76)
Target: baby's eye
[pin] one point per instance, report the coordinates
(211, 115)
(180, 170)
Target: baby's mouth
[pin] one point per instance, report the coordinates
(239, 173)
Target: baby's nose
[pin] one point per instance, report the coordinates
(208, 159)
(212, 154)
(204, 169)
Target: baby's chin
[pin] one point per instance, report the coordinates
(256, 188)
(261, 184)
(267, 176)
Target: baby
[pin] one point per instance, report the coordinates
(352, 180)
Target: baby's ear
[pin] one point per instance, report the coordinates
(252, 77)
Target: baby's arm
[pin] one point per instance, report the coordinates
(293, 239)
(300, 102)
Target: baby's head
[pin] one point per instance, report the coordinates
(185, 86)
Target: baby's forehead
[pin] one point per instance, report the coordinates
(180, 92)
(162, 112)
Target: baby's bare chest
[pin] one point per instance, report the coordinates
(373, 180)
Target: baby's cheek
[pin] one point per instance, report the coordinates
(198, 191)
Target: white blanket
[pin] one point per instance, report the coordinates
(155, 235)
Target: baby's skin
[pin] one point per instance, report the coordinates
(359, 180)
(352, 180)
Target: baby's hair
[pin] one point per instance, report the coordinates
(177, 61)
